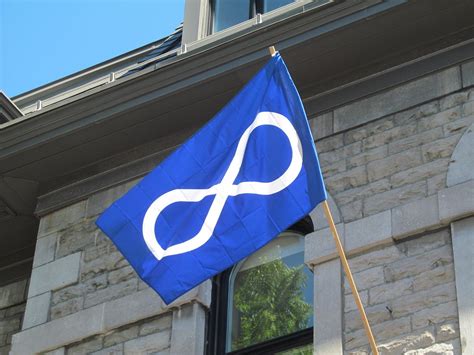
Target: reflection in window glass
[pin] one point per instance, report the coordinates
(228, 13)
(269, 5)
(270, 294)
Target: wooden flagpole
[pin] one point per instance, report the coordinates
(350, 279)
(345, 264)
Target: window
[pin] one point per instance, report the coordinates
(227, 13)
(264, 304)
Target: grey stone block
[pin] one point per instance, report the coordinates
(188, 330)
(318, 217)
(397, 99)
(101, 200)
(320, 246)
(463, 249)
(461, 169)
(111, 350)
(322, 125)
(54, 275)
(415, 217)
(62, 218)
(59, 351)
(148, 344)
(456, 202)
(39, 339)
(45, 250)
(328, 309)
(37, 309)
(12, 294)
(369, 232)
(468, 74)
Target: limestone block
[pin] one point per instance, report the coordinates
(456, 201)
(349, 303)
(458, 126)
(156, 325)
(394, 163)
(415, 217)
(120, 336)
(321, 125)
(442, 313)
(390, 291)
(436, 183)
(379, 257)
(436, 349)
(394, 197)
(382, 332)
(328, 308)
(86, 347)
(468, 74)
(100, 201)
(352, 211)
(148, 344)
(188, 330)
(447, 332)
(463, 249)
(397, 99)
(368, 232)
(320, 245)
(45, 250)
(347, 179)
(111, 350)
(38, 339)
(9, 325)
(37, 309)
(59, 351)
(438, 276)
(367, 156)
(65, 308)
(76, 238)
(441, 148)
(330, 143)
(422, 301)
(415, 140)
(460, 170)
(62, 218)
(439, 119)
(12, 294)
(453, 100)
(358, 193)
(54, 275)
(111, 292)
(421, 172)
(366, 279)
(406, 343)
(416, 265)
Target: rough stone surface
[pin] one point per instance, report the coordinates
(62, 218)
(396, 99)
(322, 125)
(45, 250)
(467, 74)
(460, 169)
(148, 344)
(12, 294)
(457, 201)
(188, 330)
(371, 230)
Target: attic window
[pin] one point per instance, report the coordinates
(227, 13)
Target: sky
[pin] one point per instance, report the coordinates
(44, 40)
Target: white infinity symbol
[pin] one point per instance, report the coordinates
(224, 189)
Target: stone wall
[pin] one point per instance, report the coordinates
(386, 159)
(12, 308)
(84, 292)
(409, 296)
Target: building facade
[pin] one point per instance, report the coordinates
(388, 87)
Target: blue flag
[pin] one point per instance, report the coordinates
(245, 177)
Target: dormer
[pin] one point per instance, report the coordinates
(8, 110)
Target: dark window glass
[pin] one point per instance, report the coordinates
(269, 5)
(228, 13)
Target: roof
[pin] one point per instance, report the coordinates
(104, 73)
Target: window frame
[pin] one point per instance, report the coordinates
(216, 329)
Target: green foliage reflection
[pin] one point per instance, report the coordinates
(270, 303)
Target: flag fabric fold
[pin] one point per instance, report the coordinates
(246, 176)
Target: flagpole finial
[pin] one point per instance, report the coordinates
(272, 50)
